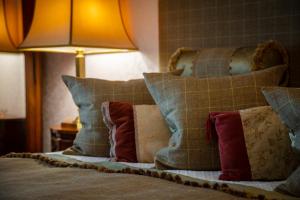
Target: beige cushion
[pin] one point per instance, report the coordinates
(268, 146)
(151, 132)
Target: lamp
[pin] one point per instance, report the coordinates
(78, 26)
(11, 32)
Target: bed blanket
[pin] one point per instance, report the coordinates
(39, 176)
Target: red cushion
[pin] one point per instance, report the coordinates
(119, 115)
(232, 148)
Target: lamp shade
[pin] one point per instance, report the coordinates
(11, 31)
(91, 26)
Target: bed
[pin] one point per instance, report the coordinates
(204, 175)
(56, 176)
(187, 164)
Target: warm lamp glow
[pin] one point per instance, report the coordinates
(94, 26)
(78, 26)
(74, 49)
(11, 32)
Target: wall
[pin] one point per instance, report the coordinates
(117, 66)
(12, 85)
(57, 101)
(230, 23)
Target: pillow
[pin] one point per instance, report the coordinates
(291, 185)
(253, 145)
(205, 62)
(118, 117)
(212, 62)
(286, 102)
(151, 132)
(183, 58)
(185, 103)
(264, 55)
(234, 160)
(176, 72)
(88, 94)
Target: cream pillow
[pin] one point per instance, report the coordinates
(151, 132)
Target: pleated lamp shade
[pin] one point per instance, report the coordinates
(89, 26)
(11, 31)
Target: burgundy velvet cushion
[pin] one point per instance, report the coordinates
(232, 148)
(118, 116)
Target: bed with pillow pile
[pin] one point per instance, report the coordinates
(222, 126)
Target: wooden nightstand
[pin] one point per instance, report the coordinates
(62, 137)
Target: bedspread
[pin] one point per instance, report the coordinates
(40, 176)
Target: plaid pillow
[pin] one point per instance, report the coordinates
(212, 62)
(185, 103)
(286, 102)
(88, 94)
(291, 185)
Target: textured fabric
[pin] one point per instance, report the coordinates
(183, 58)
(118, 117)
(185, 103)
(151, 132)
(286, 102)
(27, 179)
(232, 148)
(48, 180)
(204, 175)
(200, 24)
(88, 94)
(205, 62)
(253, 141)
(292, 184)
(268, 146)
(208, 62)
(264, 55)
(212, 62)
(241, 61)
(176, 72)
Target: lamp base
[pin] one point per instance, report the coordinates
(80, 64)
(80, 72)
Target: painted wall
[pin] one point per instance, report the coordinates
(117, 66)
(12, 85)
(57, 101)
